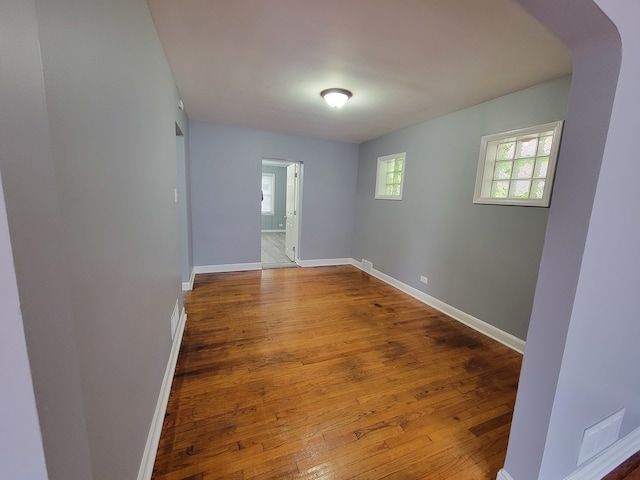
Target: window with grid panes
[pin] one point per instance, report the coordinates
(390, 176)
(517, 167)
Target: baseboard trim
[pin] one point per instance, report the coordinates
(325, 262)
(231, 267)
(153, 439)
(490, 331)
(273, 231)
(503, 475)
(175, 319)
(602, 464)
(609, 459)
(188, 286)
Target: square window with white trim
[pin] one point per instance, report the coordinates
(390, 176)
(517, 167)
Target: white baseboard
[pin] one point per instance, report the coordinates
(325, 262)
(175, 319)
(505, 338)
(151, 447)
(609, 459)
(231, 267)
(603, 463)
(273, 231)
(188, 286)
(503, 475)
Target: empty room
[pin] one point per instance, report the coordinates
(446, 184)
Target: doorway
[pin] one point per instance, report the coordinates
(181, 198)
(280, 207)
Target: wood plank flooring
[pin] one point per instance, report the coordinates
(328, 373)
(629, 470)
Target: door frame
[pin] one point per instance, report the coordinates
(280, 162)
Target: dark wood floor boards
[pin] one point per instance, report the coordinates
(328, 373)
(629, 470)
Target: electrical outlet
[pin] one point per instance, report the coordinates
(281, 225)
(423, 279)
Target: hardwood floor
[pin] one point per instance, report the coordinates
(629, 470)
(328, 373)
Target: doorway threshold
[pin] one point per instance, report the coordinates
(268, 266)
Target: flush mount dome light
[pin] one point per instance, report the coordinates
(336, 97)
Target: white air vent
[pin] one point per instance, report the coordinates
(599, 436)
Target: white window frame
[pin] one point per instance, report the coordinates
(270, 196)
(487, 163)
(381, 176)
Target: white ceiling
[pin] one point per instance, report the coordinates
(262, 63)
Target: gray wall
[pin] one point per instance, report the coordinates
(21, 452)
(27, 167)
(581, 352)
(88, 181)
(605, 322)
(226, 166)
(277, 221)
(482, 259)
(24, 142)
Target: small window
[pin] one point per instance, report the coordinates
(517, 167)
(268, 191)
(390, 176)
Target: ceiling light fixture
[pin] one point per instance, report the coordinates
(336, 97)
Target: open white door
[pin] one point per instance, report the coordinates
(291, 229)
